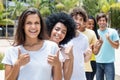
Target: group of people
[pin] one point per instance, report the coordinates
(63, 47)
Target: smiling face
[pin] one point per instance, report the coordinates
(79, 22)
(102, 23)
(32, 26)
(90, 24)
(58, 33)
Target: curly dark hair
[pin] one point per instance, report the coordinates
(64, 18)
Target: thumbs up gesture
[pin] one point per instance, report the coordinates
(107, 36)
(69, 52)
(23, 58)
(54, 59)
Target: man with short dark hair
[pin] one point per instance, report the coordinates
(106, 56)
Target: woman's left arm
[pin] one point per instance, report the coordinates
(68, 64)
(57, 69)
(68, 69)
(57, 72)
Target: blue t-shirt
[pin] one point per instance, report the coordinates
(107, 52)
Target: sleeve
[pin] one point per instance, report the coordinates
(54, 51)
(62, 55)
(86, 46)
(55, 48)
(115, 35)
(7, 57)
(94, 38)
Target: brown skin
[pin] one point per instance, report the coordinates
(96, 47)
(68, 64)
(57, 35)
(90, 24)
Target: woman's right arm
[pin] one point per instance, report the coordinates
(11, 72)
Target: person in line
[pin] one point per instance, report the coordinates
(80, 53)
(91, 24)
(31, 57)
(80, 17)
(106, 56)
(61, 29)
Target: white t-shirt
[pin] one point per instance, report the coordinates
(80, 44)
(38, 67)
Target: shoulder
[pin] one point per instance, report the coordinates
(12, 48)
(98, 30)
(114, 33)
(11, 55)
(90, 31)
(51, 43)
(80, 38)
(11, 51)
(83, 36)
(111, 29)
(51, 46)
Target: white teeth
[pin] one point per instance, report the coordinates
(57, 36)
(33, 31)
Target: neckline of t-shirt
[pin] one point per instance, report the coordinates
(34, 50)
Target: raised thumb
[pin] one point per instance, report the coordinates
(58, 52)
(19, 52)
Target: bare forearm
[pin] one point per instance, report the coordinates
(87, 54)
(57, 72)
(68, 69)
(96, 48)
(87, 57)
(114, 44)
(13, 74)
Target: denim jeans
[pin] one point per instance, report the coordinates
(106, 69)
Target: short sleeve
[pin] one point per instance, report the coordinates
(11, 54)
(86, 45)
(7, 57)
(54, 48)
(115, 35)
(94, 38)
